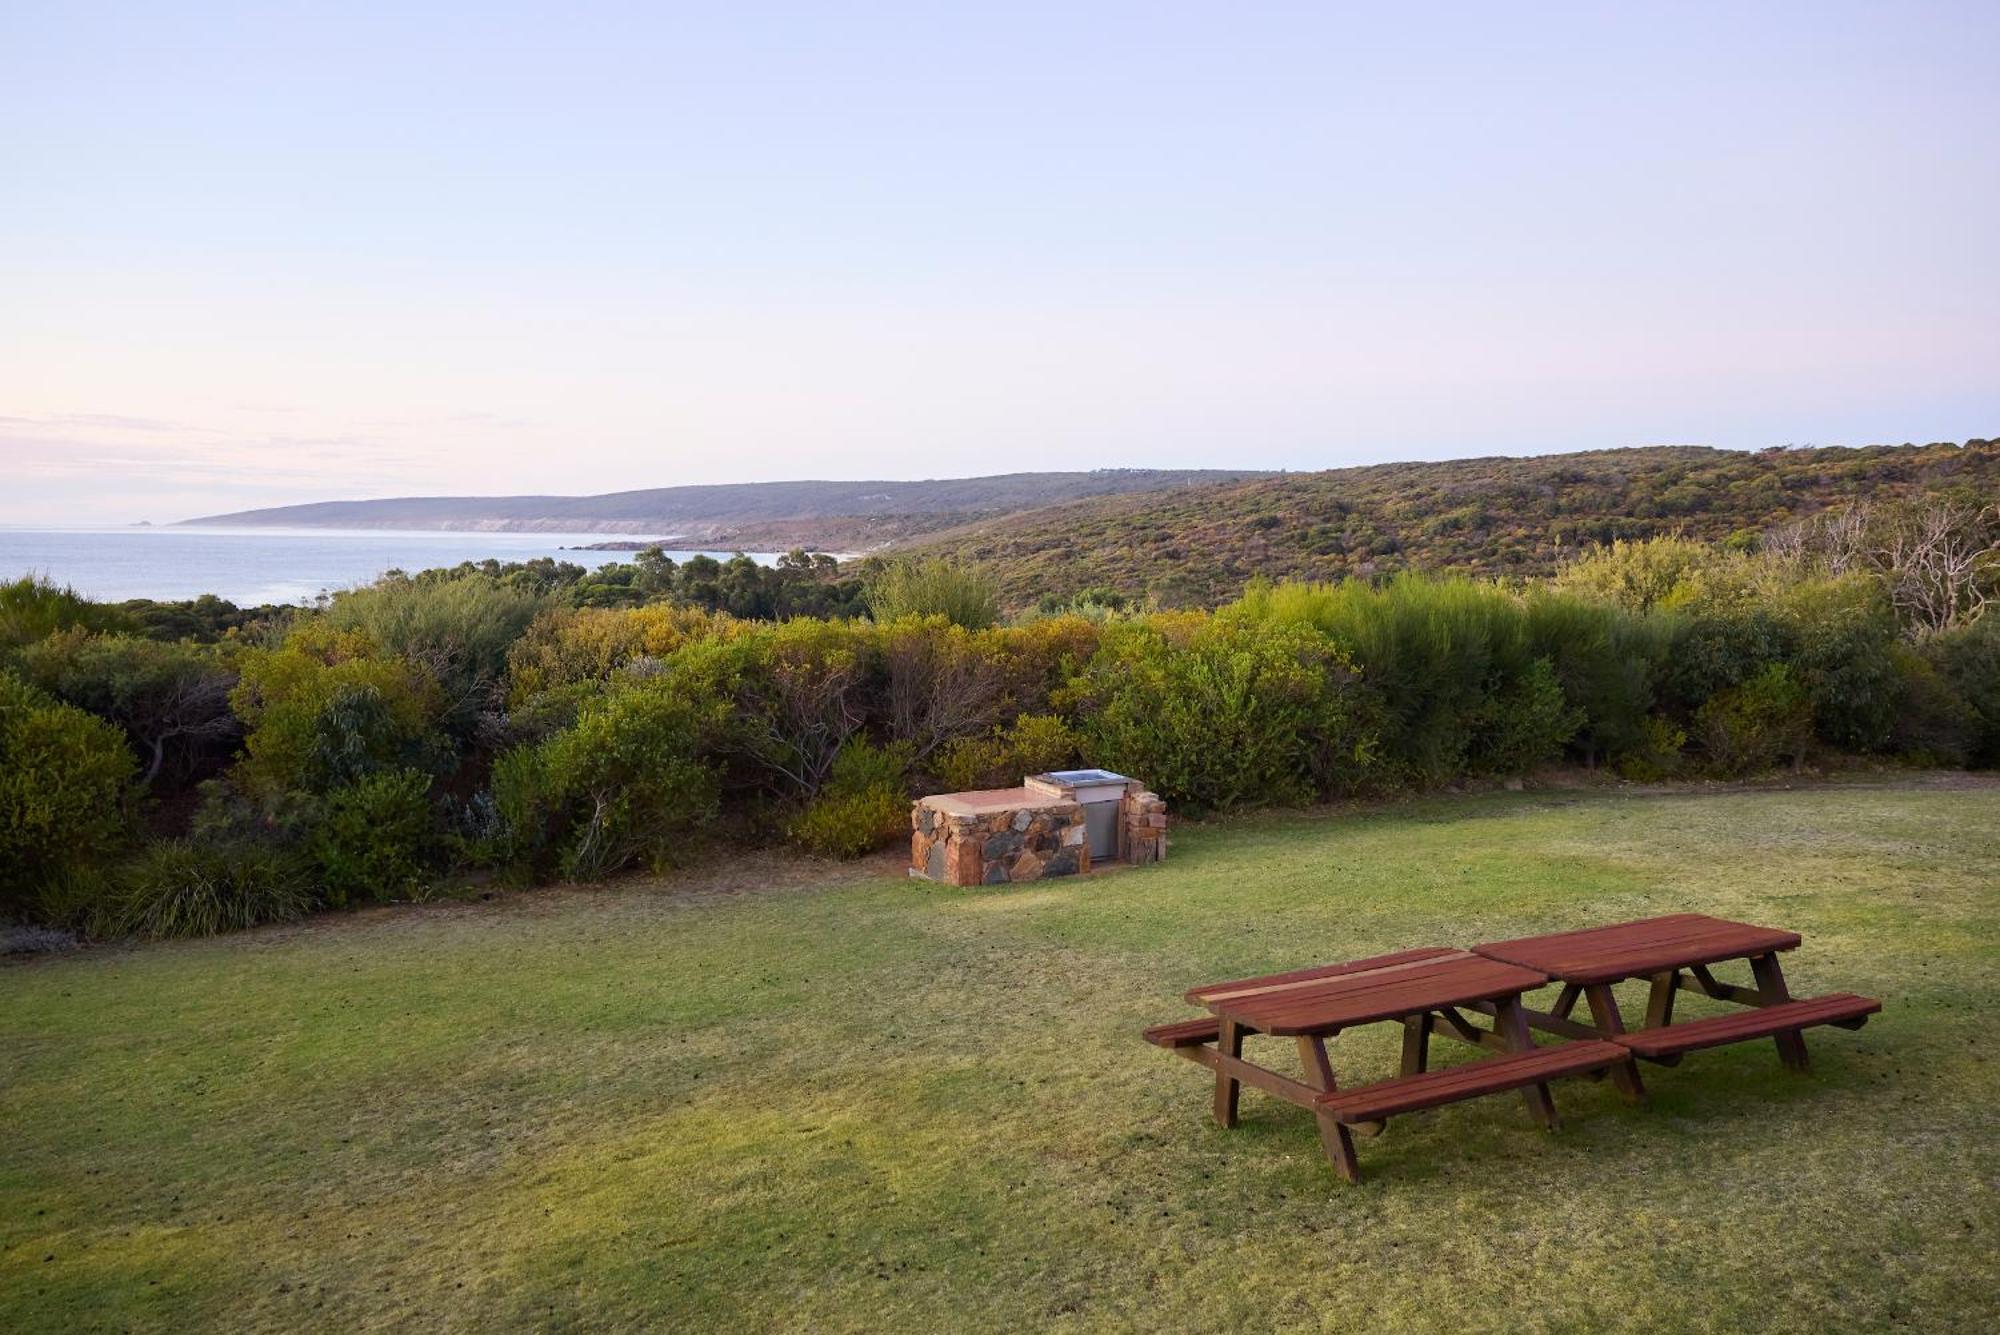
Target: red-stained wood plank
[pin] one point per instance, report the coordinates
(1201, 996)
(1362, 999)
(1762, 1022)
(1489, 1075)
(1184, 1033)
(1636, 949)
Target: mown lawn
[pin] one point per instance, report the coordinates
(836, 1099)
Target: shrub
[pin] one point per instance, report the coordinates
(863, 806)
(1755, 725)
(1032, 744)
(629, 783)
(33, 607)
(1433, 652)
(565, 647)
(182, 887)
(1525, 723)
(326, 708)
(1969, 659)
(934, 586)
(1653, 753)
(172, 700)
(371, 840)
(1933, 723)
(1842, 633)
(457, 630)
(1220, 714)
(1607, 662)
(63, 777)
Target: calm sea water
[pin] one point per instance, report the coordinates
(251, 566)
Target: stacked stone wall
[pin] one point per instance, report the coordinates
(1024, 844)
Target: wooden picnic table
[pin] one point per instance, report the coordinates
(1416, 988)
(1674, 953)
(1428, 991)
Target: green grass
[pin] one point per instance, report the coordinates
(842, 1100)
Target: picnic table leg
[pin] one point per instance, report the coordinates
(1339, 1143)
(1604, 1011)
(1417, 1043)
(1512, 1023)
(1660, 1004)
(1228, 1042)
(1770, 978)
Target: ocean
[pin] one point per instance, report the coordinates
(253, 566)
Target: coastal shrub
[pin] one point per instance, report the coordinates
(1607, 662)
(933, 586)
(327, 707)
(1932, 723)
(1525, 722)
(1842, 634)
(801, 690)
(1435, 653)
(171, 699)
(1031, 744)
(371, 840)
(457, 631)
(630, 783)
(563, 647)
(1968, 658)
(864, 805)
(186, 887)
(1219, 714)
(63, 781)
(33, 607)
(1653, 753)
(1753, 726)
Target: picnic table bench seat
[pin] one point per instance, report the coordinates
(1185, 1033)
(1487, 1075)
(1784, 1017)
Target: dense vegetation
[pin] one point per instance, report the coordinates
(538, 721)
(1492, 517)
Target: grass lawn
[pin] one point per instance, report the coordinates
(837, 1099)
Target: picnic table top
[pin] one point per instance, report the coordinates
(1636, 949)
(1384, 987)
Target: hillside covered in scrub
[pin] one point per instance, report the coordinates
(1495, 516)
(750, 516)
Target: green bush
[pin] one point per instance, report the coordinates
(935, 586)
(1031, 744)
(1525, 723)
(1653, 753)
(33, 607)
(63, 784)
(172, 699)
(1435, 653)
(863, 806)
(372, 839)
(629, 783)
(328, 707)
(184, 887)
(1607, 661)
(457, 630)
(1217, 714)
(1969, 660)
(1753, 726)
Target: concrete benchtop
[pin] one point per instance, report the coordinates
(987, 801)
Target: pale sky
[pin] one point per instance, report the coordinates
(270, 253)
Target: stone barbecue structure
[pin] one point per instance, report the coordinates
(1056, 824)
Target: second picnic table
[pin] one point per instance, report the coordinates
(1411, 987)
